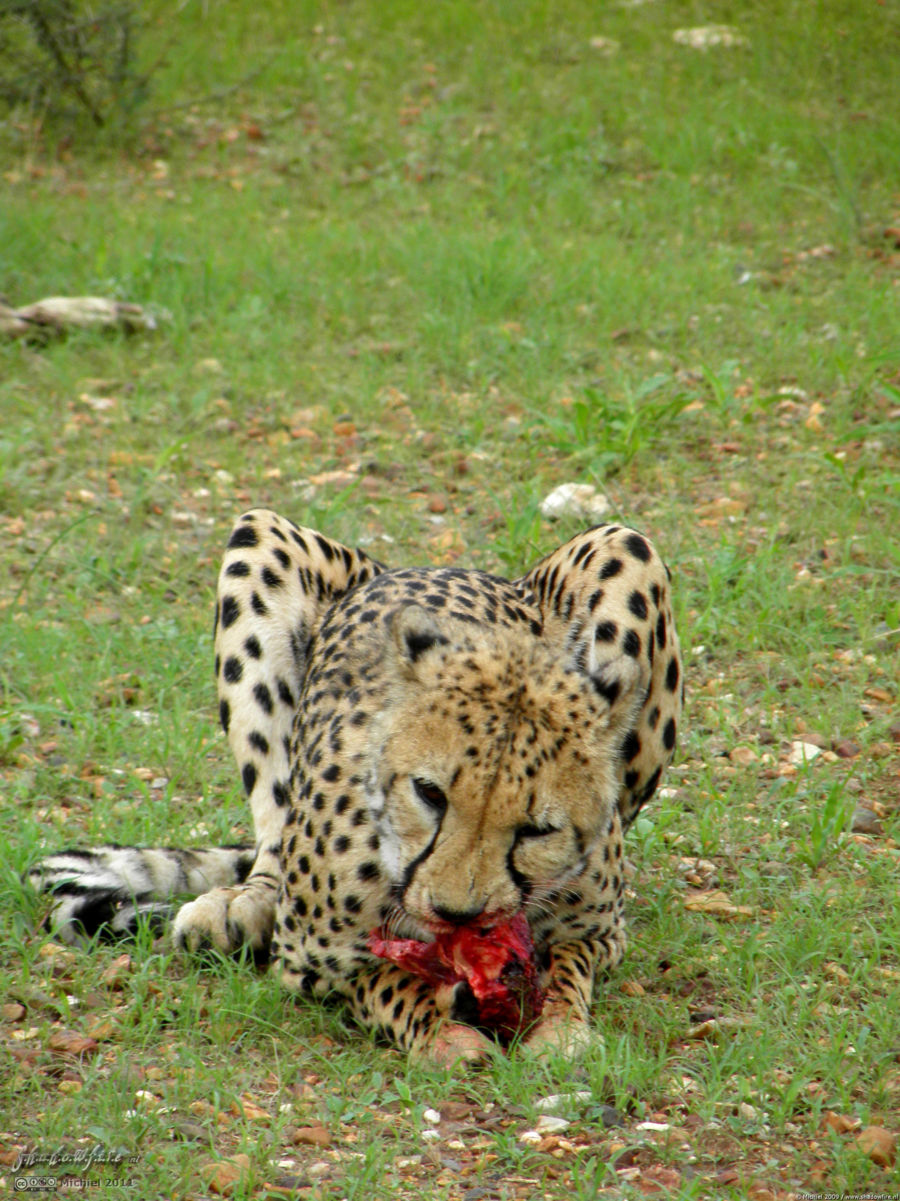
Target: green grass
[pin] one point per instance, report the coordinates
(464, 257)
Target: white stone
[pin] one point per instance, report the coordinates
(557, 1100)
(575, 500)
(803, 752)
(549, 1123)
(432, 1116)
(704, 37)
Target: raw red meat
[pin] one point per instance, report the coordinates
(498, 964)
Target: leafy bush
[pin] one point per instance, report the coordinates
(64, 57)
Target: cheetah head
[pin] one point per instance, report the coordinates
(494, 768)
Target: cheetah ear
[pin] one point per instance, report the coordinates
(415, 633)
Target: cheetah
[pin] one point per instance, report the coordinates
(422, 749)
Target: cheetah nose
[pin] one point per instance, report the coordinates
(457, 917)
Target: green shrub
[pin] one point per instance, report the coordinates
(66, 58)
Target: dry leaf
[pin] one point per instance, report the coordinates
(68, 1042)
(713, 1027)
(834, 971)
(722, 506)
(339, 478)
(717, 904)
(247, 1108)
(312, 1136)
(840, 1122)
(115, 974)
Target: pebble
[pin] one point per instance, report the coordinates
(866, 822)
(557, 1100)
(847, 748)
(575, 500)
(549, 1123)
(432, 1116)
(803, 752)
(879, 1144)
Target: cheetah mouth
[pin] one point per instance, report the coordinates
(498, 966)
(482, 927)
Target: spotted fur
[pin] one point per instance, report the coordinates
(421, 748)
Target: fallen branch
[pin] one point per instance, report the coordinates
(58, 314)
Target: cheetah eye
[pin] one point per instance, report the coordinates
(431, 795)
(534, 831)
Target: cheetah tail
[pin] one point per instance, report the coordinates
(107, 889)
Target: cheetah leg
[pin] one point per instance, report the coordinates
(276, 582)
(564, 1026)
(416, 1017)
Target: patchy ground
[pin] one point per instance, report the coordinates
(408, 282)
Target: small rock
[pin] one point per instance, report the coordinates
(191, 1132)
(530, 1136)
(13, 1011)
(879, 1144)
(847, 748)
(695, 1016)
(605, 46)
(222, 1176)
(287, 1185)
(866, 822)
(433, 1116)
(803, 752)
(705, 37)
(575, 500)
(610, 1117)
(743, 755)
(550, 1123)
(558, 1100)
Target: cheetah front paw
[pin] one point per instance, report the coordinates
(453, 1044)
(227, 919)
(560, 1031)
